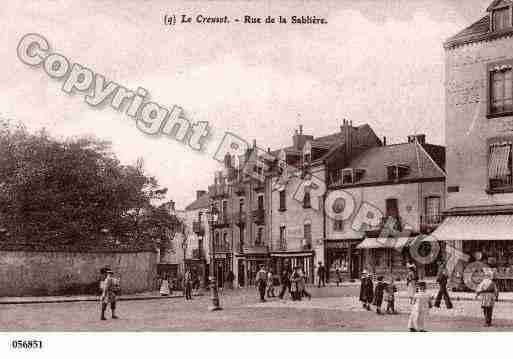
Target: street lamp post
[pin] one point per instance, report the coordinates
(212, 220)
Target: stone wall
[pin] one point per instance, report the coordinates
(34, 273)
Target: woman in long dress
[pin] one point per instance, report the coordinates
(488, 291)
(411, 282)
(422, 302)
(164, 287)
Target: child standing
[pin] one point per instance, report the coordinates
(378, 294)
(366, 290)
(390, 290)
(270, 284)
(420, 309)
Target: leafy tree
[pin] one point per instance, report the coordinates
(74, 192)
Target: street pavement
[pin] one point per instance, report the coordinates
(331, 309)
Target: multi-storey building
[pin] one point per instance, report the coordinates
(220, 196)
(197, 231)
(479, 136)
(402, 186)
(296, 194)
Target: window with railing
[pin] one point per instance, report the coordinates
(500, 166)
(432, 210)
(283, 241)
(283, 201)
(259, 237)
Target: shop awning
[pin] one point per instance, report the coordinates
(292, 254)
(497, 227)
(499, 162)
(371, 243)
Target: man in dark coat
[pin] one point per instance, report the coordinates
(366, 290)
(442, 279)
(321, 273)
(285, 281)
(378, 294)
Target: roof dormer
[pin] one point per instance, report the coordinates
(500, 15)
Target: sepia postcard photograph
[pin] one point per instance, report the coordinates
(255, 166)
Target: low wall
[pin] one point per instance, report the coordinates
(35, 273)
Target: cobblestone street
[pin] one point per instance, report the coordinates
(331, 309)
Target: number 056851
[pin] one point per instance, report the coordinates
(26, 344)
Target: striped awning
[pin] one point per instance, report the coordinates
(372, 243)
(497, 227)
(499, 162)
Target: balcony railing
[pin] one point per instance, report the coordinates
(429, 223)
(223, 247)
(259, 216)
(197, 227)
(218, 191)
(223, 220)
(281, 245)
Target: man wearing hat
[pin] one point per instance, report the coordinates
(366, 290)
(109, 287)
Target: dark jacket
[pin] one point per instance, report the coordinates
(442, 279)
(378, 293)
(366, 290)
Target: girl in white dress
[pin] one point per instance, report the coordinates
(164, 287)
(420, 309)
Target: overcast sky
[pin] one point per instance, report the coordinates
(376, 62)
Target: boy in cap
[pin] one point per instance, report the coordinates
(109, 289)
(378, 294)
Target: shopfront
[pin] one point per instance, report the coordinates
(303, 260)
(222, 268)
(344, 255)
(478, 241)
(386, 256)
(248, 266)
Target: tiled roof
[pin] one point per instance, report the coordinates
(478, 31)
(375, 159)
(200, 203)
(337, 138)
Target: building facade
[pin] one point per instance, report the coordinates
(479, 132)
(402, 186)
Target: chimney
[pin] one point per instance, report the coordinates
(299, 139)
(254, 143)
(384, 140)
(171, 205)
(200, 194)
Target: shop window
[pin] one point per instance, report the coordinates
(500, 166)
(283, 202)
(338, 225)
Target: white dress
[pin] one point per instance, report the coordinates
(419, 310)
(164, 287)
